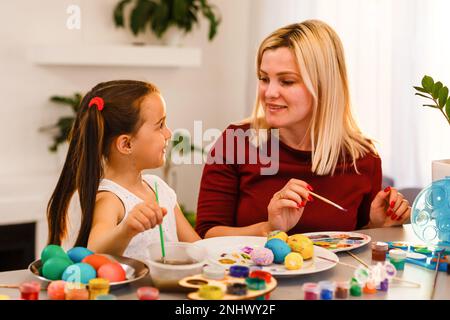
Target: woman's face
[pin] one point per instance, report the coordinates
(150, 142)
(286, 101)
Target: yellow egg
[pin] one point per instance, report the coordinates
(293, 261)
(278, 235)
(301, 244)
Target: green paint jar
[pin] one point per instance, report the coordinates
(397, 257)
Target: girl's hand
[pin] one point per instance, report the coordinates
(142, 217)
(286, 206)
(389, 208)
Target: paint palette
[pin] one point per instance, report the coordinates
(235, 250)
(422, 255)
(338, 241)
(195, 282)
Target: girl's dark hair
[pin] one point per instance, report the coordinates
(90, 140)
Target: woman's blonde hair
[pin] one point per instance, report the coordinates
(320, 57)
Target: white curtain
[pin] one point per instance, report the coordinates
(389, 45)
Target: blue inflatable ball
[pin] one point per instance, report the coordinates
(77, 254)
(79, 272)
(279, 248)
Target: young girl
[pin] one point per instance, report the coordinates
(119, 131)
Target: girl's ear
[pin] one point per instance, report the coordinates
(123, 144)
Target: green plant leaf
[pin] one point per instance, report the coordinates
(431, 106)
(428, 83)
(443, 96)
(436, 89)
(140, 15)
(447, 108)
(118, 13)
(160, 20)
(422, 95)
(421, 89)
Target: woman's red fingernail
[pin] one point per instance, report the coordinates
(388, 188)
(399, 218)
(389, 212)
(310, 198)
(303, 203)
(299, 205)
(394, 217)
(392, 205)
(309, 188)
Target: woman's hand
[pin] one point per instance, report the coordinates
(286, 206)
(142, 217)
(389, 208)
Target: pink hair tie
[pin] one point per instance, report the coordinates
(97, 101)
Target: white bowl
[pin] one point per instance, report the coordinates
(166, 276)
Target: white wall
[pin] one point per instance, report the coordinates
(214, 92)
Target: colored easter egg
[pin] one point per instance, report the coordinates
(262, 256)
(96, 260)
(279, 248)
(54, 268)
(293, 261)
(277, 234)
(301, 244)
(112, 271)
(52, 250)
(77, 254)
(55, 290)
(79, 272)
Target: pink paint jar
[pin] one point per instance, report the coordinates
(311, 291)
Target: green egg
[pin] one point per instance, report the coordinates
(54, 267)
(52, 251)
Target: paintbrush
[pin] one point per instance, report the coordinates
(355, 267)
(436, 271)
(327, 201)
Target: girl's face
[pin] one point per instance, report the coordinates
(150, 142)
(284, 97)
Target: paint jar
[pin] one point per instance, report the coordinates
(342, 290)
(30, 290)
(397, 257)
(355, 289)
(384, 285)
(370, 287)
(147, 293)
(379, 250)
(98, 286)
(106, 297)
(326, 290)
(76, 291)
(311, 291)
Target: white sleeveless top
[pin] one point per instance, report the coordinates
(137, 248)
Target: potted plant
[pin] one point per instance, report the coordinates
(162, 16)
(61, 129)
(437, 93)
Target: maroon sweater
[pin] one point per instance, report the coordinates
(237, 195)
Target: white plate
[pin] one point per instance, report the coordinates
(228, 247)
(337, 241)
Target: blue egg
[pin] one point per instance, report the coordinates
(77, 254)
(79, 272)
(279, 248)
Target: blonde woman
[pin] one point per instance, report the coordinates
(303, 93)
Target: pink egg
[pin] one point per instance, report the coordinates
(112, 271)
(55, 290)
